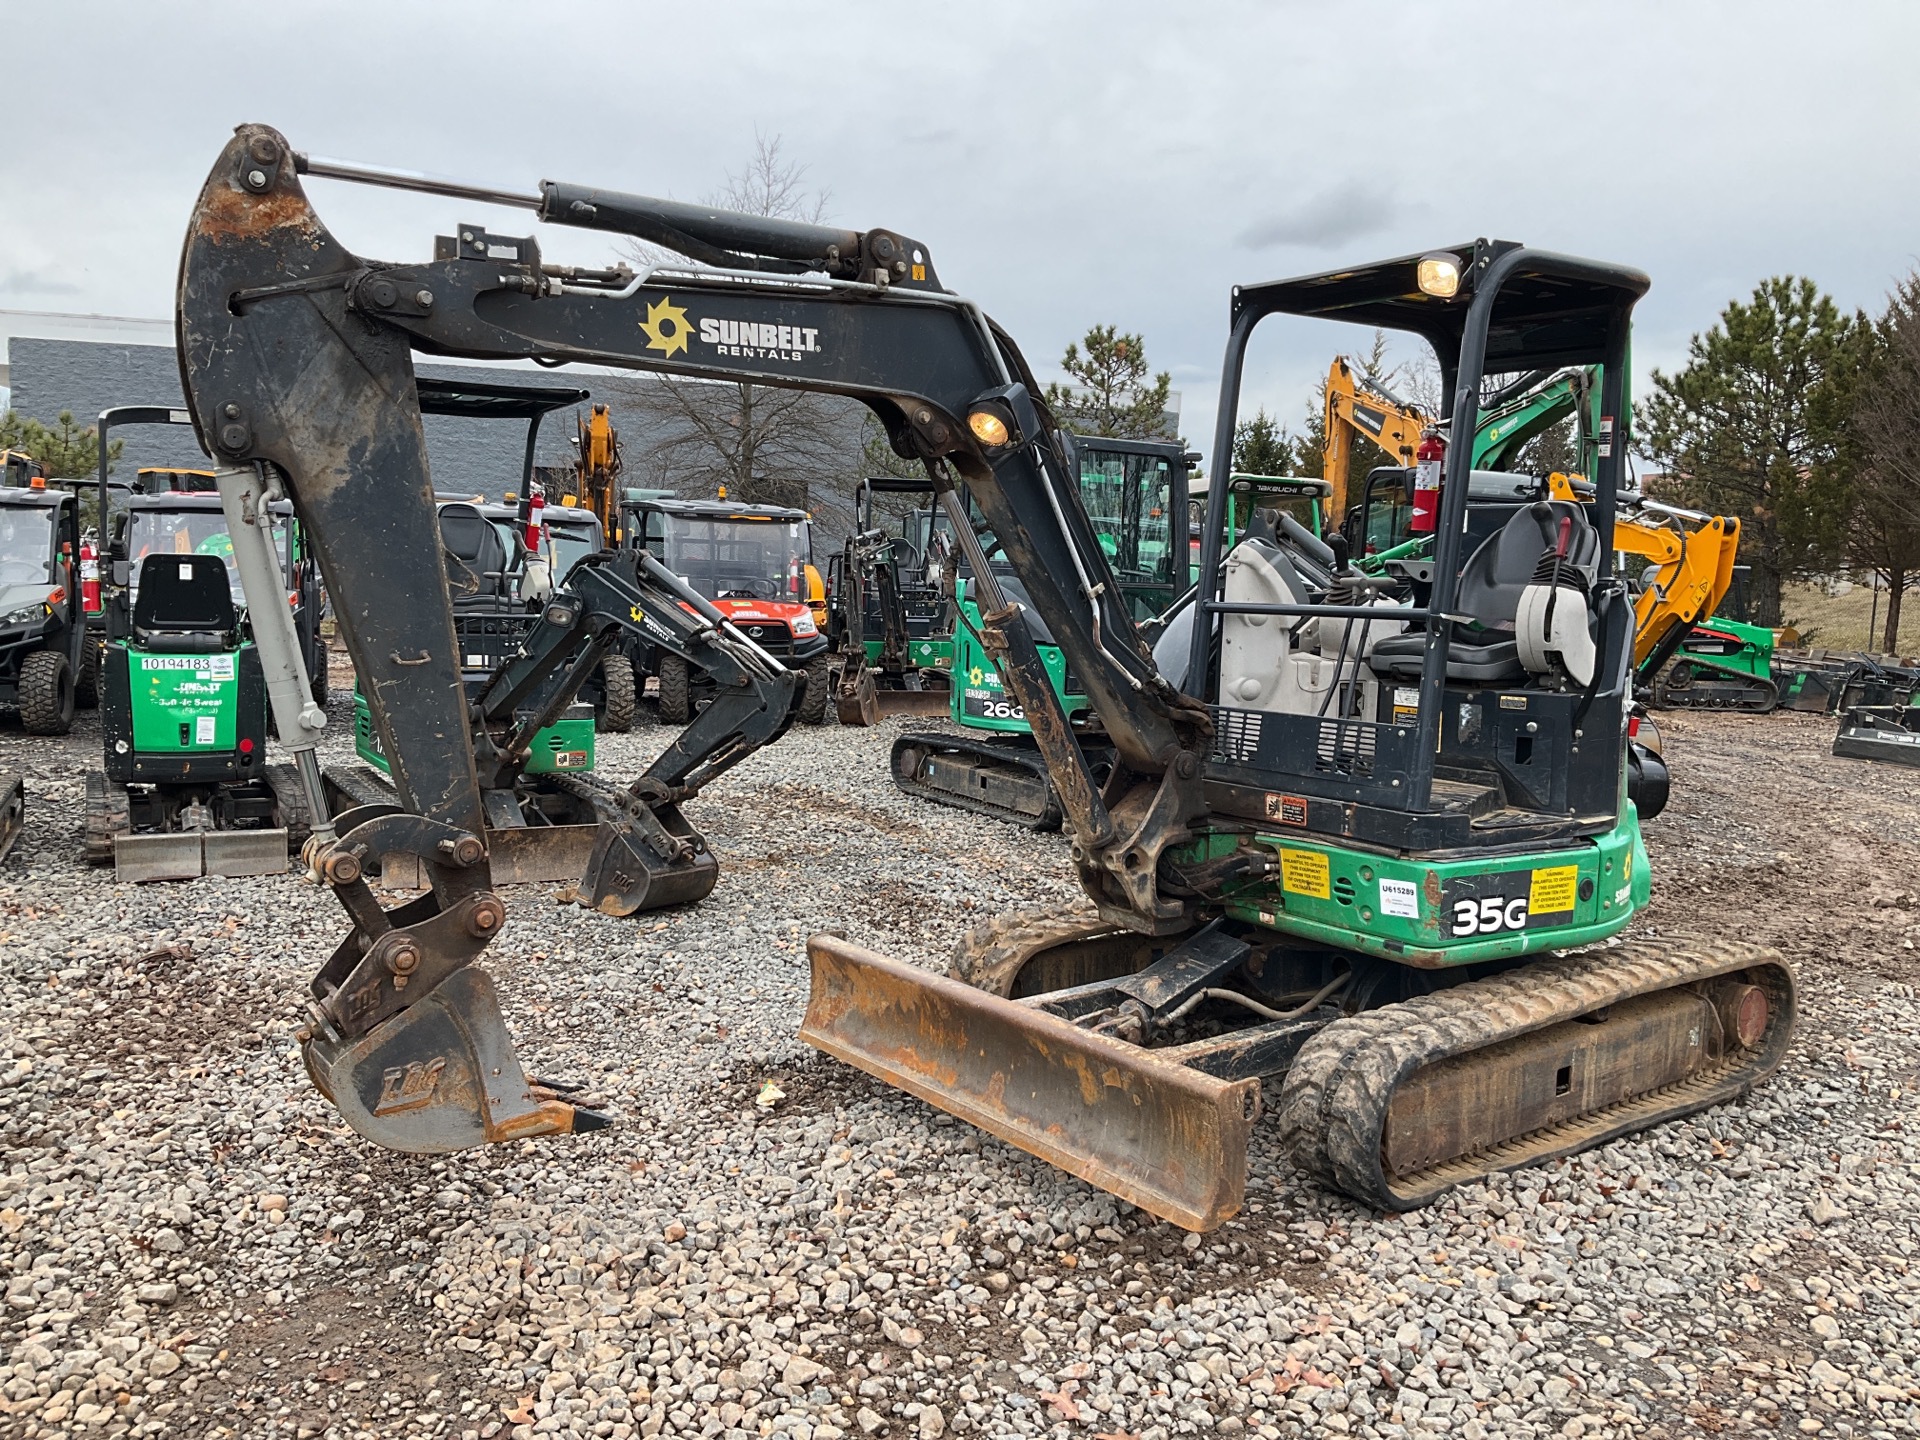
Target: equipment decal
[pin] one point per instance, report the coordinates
(1399, 898)
(669, 329)
(1553, 891)
(1511, 900)
(1287, 809)
(1305, 872)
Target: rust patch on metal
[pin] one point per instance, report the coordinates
(227, 212)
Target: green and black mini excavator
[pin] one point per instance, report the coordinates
(1363, 837)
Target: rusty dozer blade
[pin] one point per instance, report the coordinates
(13, 812)
(1165, 1137)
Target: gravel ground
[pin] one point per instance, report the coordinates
(194, 1245)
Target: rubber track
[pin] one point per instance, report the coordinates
(991, 955)
(1045, 823)
(108, 815)
(1334, 1101)
(291, 796)
(360, 785)
(1734, 689)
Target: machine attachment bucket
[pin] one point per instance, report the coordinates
(1165, 1137)
(625, 874)
(13, 812)
(858, 701)
(912, 702)
(440, 1076)
(189, 854)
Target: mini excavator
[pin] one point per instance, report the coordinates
(1368, 901)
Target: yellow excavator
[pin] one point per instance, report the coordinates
(1357, 406)
(596, 470)
(1689, 555)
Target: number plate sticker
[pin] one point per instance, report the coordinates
(1515, 900)
(990, 705)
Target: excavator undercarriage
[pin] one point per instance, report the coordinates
(1348, 824)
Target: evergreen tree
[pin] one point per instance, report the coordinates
(1752, 428)
(1112, 395)
(67, 450)
(1262, 446)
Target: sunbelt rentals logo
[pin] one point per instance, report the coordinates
(670, 329)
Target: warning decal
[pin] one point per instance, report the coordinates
(1305, 872)
(1553, 891)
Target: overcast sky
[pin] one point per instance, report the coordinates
(1065, 163)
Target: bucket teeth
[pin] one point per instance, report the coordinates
(441, 1076)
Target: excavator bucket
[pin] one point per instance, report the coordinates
(440, 1076)
(858, 701)
(13, 811)
(1168, 1138)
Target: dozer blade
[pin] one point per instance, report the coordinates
(862, 701)
(912, 702)
(245, 852)
(1165, 1137)
(189, 854)
(13, 812)
(440, 1076)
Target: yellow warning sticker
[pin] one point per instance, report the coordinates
(1305, 872)
(1553, 890)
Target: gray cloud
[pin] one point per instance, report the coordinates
(1319, 222)
(35, 282)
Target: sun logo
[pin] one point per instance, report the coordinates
(666, 327)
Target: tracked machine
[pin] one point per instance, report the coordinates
(1358, 901)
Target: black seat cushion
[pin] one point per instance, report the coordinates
(1503, 566)
(479, 559)
(1486, 658)
(1490, 588)
(185, 604)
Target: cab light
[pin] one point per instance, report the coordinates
(1438, 275)
(989, 429)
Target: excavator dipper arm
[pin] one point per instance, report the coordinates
(298, 353)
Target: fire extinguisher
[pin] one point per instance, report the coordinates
(1428, 460)
(535, 504)
(89, 578)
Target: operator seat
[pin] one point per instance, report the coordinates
(479, 558)
(1490, 589)
(185, 606)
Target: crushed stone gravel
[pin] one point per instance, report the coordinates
(191, 1243)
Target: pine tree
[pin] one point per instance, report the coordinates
(1883, 442)
(1112, 395)
(1752, 427)
(1262, 446)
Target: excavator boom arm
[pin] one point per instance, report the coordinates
(297, 352)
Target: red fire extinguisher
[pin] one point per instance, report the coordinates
(1428, 460)
(535, 504)
(89, 578)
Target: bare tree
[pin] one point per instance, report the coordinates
(1883, 520)
(765, 444)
